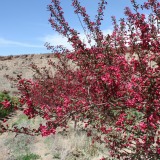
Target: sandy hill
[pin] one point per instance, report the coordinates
(20, 64)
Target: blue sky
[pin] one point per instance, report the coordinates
(24, 27)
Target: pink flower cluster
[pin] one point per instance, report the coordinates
(6, 104)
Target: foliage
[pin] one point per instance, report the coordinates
(7, 104)
(30, 156)
(114, 88)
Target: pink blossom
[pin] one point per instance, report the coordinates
(142, 126)
(6, 104)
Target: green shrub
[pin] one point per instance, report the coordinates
(13, 103)
(30, 156)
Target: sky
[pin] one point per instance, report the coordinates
(24, 27)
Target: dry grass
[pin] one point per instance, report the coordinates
(74, 145)
(70, 145)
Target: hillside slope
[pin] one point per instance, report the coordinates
(15, 65)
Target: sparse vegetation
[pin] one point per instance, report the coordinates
(12, 102)
(65, 145)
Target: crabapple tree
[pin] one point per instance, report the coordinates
(111, 87)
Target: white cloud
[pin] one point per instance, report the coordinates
(57, 39)
(107, 31)
(5, 42)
